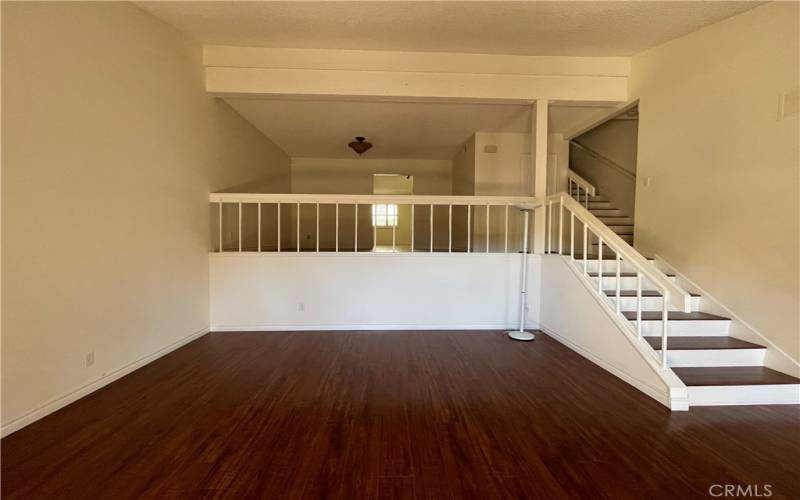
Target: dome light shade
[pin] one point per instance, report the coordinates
(360, 145)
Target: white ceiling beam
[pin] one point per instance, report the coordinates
(243, 71)
(390, 84)
(422, 62)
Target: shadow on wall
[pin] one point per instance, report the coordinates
(606, 157)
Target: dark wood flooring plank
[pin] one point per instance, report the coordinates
(390, 415)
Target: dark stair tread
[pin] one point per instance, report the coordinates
(675, 316)
(680, 343)
(622, 275)
(632, 293)
(579, 256)
(620, 224)
(733, 375)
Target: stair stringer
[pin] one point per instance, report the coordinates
(575, 315)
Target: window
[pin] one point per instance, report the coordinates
(384, 215)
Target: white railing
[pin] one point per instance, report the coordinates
(284, 204)
(579, 183)
(671, 293)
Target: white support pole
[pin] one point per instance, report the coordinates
(539, 156)
(521, 334)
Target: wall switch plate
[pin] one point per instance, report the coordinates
(89, 359)
(647, 182)
(490, 149)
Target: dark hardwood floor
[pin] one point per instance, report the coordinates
(356, 415)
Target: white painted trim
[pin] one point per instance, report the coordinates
(787, 359)
(62, 401)
(660, 394)
(286, 327)
(743, 395)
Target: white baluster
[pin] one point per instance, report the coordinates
(298, 227)
(431, 227)
(505, 234)
(572, 235)
(585, 249)
(487, 227)
(619, 269)
(240, 226)
(355, 209)
(550, 226)
(336, 246)
(600, 265)
(561, 226)
(639, 304)
(412, 227)
(317, 227)
(664, 327)
(450, 228)
(279, 227)
(259, 227)
(220, 227)
(469, 228)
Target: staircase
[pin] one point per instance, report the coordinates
(716, 368)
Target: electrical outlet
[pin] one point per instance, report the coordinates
(301, 307)
(89, 359)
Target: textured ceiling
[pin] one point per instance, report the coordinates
(525, 28)
(306, 128)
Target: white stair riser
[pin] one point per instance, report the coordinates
(626, 282)
(600, 212)
(609, 266)
(715, 357)
(620, 229)
(649, 303)
(744, 395)
(687, 328)
(628, 238)
(598, 197)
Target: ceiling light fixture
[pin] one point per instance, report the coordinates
(360, 145)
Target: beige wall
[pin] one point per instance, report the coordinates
(616, 140)
(110, 147)
(722, 205)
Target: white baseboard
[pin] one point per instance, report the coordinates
(364, 326)
(658, 393)
(62, 401)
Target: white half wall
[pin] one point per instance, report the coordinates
(573, 315)
(369, 291)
